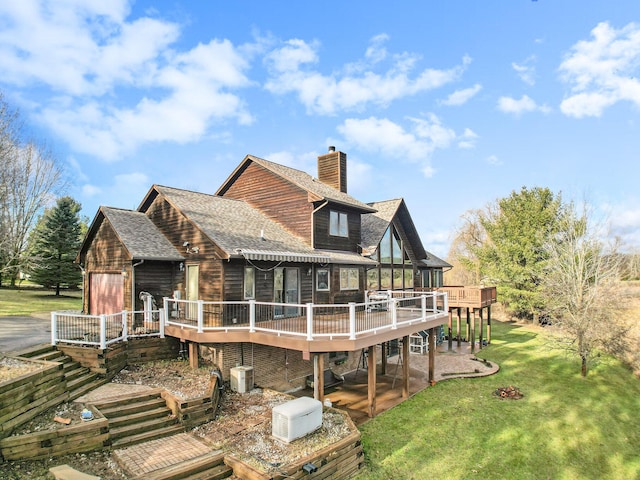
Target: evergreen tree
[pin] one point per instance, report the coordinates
(54, 244)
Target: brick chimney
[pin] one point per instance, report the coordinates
(332, 169)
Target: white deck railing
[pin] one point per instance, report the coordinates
(380, 312)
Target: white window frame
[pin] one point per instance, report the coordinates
(352, 276)
(249, 283)
(327, 287)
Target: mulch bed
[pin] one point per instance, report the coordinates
(508, 393)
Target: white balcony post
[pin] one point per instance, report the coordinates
(103, 332)
(352, 321)
(424, 308)
(309, 321)
(125, 330)
(162, 318)
(252, 316)
(446, 302)
(54, 328)
(394, 314)
(165, 305)
(200, 316)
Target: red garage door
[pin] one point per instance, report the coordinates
(106, 294)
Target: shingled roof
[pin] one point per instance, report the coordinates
(139, 236)
(319, 190)
(242, 231)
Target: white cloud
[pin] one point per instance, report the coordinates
(526, 70)
(467, 139)
(414, 143)
(602, 71)
(494, 160)
(517, 107)
(357, 84)
(91, 54)
(625, 224)
(460, 97)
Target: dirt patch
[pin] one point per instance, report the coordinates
(508, 393)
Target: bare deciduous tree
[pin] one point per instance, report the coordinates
(584, 298)
(30, 178)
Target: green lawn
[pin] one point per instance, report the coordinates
(566, 427)
(28, 300)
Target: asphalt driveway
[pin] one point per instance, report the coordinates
(17, 333)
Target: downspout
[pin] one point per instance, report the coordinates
(313, 244)
(84, 286)
(133, 284)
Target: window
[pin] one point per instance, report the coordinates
(338, 224)
(408, 278)
(349, 279)
(372, 279)
(322, 280)
(249, 283)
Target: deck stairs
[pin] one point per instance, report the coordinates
(80, 380)
(138, 418)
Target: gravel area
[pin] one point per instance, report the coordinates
(11, 368)
(242, 426)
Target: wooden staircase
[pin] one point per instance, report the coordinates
(80, 380)
(138, 418)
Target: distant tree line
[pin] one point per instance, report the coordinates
(30, 180)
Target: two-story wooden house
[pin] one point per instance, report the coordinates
(269, 234)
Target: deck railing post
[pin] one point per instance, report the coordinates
(252, 316)
(125, 329)
(103, 332)
(309, 321)
(54, 328)
(162, 319)
(394, 314)
(446, 302)
(352, 321)
(200, 316)
(423, 301)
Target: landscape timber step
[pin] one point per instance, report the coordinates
(51, 356)
(116, 403)
(131, 408)
(132, 429)
(86, 385)
(146, 436)
(209, 466)
(121, 421)
(29, 352)
(74, 373)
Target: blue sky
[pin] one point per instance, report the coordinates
(448, 104)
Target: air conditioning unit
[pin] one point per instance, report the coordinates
(241, 379)
(296, 418)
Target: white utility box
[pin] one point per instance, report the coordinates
(296, 418)
(241, 379)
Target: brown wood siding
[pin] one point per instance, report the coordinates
(158, 279)
(106, 254)
(175, 226)
(234, 284)
(276, 198)
(323, 240)
(346, 296)
(332, 170)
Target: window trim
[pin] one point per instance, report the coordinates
(328, 284)
(249, 272)
(341, 223)
(349, 272)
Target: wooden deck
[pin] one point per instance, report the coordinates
(328, 335)
(470, 297)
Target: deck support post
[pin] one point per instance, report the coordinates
(432, 353)
(472, 337)
(383, 360)
(405, 366)
(450, 332)
(371, 387)
(468, 332)
(193, 354)
(459, 314)
(318, 376)
(481, 328)
(489, 324)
